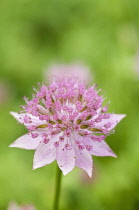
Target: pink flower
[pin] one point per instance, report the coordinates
(67, 122)
(14, 206)
(81, 72)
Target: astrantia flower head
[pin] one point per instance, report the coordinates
(66, 122)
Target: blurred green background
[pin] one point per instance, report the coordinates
(103, 35)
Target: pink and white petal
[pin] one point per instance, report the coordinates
(27, 142)
(20, 118)
(65, 156)
(114, 120)
(84, 160)
(99, 148)
(45, 153)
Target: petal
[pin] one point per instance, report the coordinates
(27, 142)
(114, 120)
(99, 148)
(45, 153)
(65, 157)
(84, 160)
(20, 118)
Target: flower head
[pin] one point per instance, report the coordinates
(14, 206)
(80, 72)
(66, 122)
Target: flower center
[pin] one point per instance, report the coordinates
(67, 107)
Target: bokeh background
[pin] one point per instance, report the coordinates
(104, 35)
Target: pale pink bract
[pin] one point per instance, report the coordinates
(66, 122)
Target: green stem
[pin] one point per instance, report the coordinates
(57, 189)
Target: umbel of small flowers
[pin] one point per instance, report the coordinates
(66, 122)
